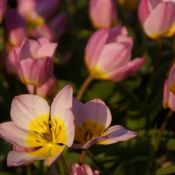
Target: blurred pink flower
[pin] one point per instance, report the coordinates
(34, 61)
(157, 17)
(54, 29)
(16, 28)
(168, 97)
(102, 13)
(171, 80)
(92, 121)
(3, 5)
(45, 90)
(43, 133)
(108, 55)
(83, 170)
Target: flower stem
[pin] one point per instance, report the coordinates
(64, 164)
(156, 142)
(82, 156)
(28, 168)
(84, 86)
(34, 90)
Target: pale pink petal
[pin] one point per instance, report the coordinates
(46, 48)
(156, 25)
(61, 102)
(17, 158)
(29, 49)
(97, 111)
(26, 108)
(70, 127)
(12, 133)
(95, 46)
(127, 69)
(35, 72)
(102, 13)
(116, 134)
(113, 56)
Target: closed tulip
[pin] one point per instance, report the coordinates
(34, 61)
(108, 55)
(102, 13)
(157, 17)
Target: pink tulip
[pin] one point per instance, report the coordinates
(168, 97)
(44, 132)
(83, 170)
(54, 29)
(108, 55)
(157, 17)
(45, 90)
(3, 4)
(102, 13)
(34, 61)
(43, 8)
(92, 121)
(16, 28)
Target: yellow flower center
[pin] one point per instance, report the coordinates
(98, 73)
(88, 130)
(48, 136)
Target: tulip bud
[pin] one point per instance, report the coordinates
(157, 17)
(102, 13)
(108, 55)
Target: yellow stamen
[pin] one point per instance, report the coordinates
(88, 130)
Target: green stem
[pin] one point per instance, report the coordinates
(156, 142)
(82, 156)
(28, 168)
(84, 86)
(64, 164)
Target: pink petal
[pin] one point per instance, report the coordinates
(35, 72)
(26, 108)
(114, 56)
(156, 25)
(102, 13)
(17, 158)
(12, 133)
(97, 111)
(127, 70)
(95, 46)
(116, 134)
(61, 102)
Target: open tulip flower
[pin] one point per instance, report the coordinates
(34, 61)
(92, 121)
(44, 133)
(102, 13)
(108, 55)
(168, 97)
(83, 170)
(157, 17)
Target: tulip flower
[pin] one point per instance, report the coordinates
(157, 17)
(92, 121)
(102, 13)
(3, 4)
(108, 55)
(34, 61)
(168, 97)
(45, 90)
(83, 170)
(16, 28)
(43, 133)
